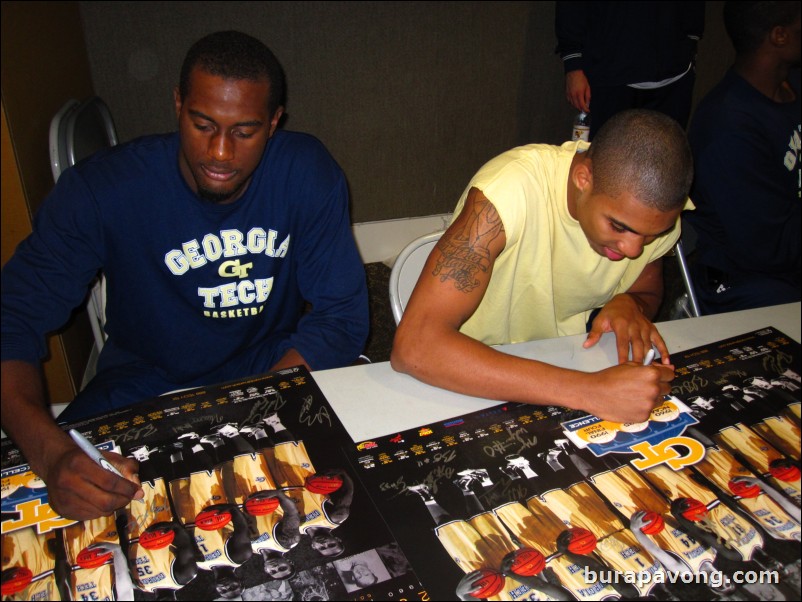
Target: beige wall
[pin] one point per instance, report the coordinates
(410, 97)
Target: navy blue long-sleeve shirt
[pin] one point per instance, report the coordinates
(196, 292)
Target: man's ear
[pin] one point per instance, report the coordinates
(275, 120)
(781, 36)
(177, 101)
(582, 175)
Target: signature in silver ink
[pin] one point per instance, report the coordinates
(137, 524)
(778, 363)
(438, 474)
(134, 434)
(439, 457)
(510, 491)
(517, 441)
(310, 417)
(696, 383)
(726, 377)
(399, 486)
(264, 405)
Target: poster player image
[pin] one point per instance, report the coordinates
(580, 507)
(154, 506)
(634, 503)
(582, 510)
(536, 527)
(654, 528)
(702, 515)
(98, 568)
(533, 525)
(276, 565)
(479, 545)
(221, 534)
(323, 500)
(763, 459)
(767, 506)
(780, 390)
(161, 554)
(782, 432)
(31, 568)
(219, 528)
(273, 518)
(767, 410)
(163, 559)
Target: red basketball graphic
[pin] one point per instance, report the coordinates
(323, 484)
(156, 540)
(15, 579)
(528, 562)
(89, 559)
(784, 471)
(743, 489)
(488, 584)
(257, 506)
(212, 520)
(693, 509)
(581, 541)
(654, 523)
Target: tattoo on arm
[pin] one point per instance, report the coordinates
(467, 253)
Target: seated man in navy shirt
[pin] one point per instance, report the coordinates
(227, 251)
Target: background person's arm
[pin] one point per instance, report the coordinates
(429, 346)
(570, 27)
(577, 90)
(77, 487)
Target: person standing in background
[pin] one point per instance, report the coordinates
(629, 55)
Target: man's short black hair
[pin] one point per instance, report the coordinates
(748, 23)
(646, 154)
(235, 55)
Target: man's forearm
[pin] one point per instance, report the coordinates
(623, 393)
(457, 362)
(27, 419)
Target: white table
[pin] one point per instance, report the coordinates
(373, 400)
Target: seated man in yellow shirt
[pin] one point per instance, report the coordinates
(543, 236)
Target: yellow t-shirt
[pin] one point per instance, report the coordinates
(547, 279)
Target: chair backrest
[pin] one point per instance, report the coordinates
(78, 130)
(406, 270)
(58, 134)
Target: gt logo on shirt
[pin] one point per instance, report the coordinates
(233, 268)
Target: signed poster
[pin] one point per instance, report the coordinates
(248, 495)
(700, 502)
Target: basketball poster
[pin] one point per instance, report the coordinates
(700, 502)
(248, 495)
